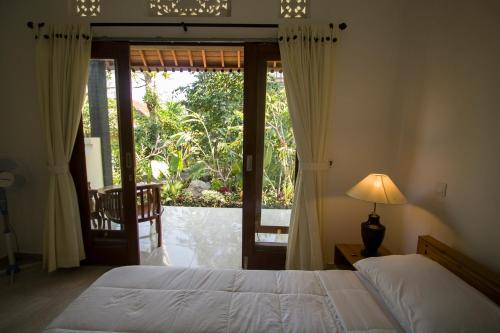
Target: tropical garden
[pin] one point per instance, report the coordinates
(194, 144)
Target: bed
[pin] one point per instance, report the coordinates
(376, 298)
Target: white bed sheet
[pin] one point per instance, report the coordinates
(168, 299)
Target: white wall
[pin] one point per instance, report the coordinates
(93, 162)
(387, 109)
(448, 95)
(20, 130)
(365, 83)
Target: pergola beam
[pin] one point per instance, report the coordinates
(222, 58)
(191, 58)
(175, 58)
(143, 58)
(204, 58)
(161, 58)
(190, 55)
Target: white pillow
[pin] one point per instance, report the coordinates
(426, 297)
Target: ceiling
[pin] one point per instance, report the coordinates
(190, 58)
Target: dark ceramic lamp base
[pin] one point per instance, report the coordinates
(365, 253)
(372, 232)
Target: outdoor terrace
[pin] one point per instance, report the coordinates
(203, 236)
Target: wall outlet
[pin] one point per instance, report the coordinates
(441, 189)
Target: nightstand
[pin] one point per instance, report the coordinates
(347, 254)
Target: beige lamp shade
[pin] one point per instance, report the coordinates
(377, 188)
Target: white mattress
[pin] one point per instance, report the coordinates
(167, 299)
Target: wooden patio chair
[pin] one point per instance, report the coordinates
(96, 220)
(148, 206)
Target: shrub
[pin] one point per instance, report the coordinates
(212, 198)
(200, 137)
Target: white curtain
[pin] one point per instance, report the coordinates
(62, 54)
(307, 55)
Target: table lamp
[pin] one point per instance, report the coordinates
(376, 188)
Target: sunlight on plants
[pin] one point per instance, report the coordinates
(194, 146)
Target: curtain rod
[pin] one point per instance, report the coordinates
(185, 25)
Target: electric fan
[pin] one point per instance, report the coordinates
(10, 179)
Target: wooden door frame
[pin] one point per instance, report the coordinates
(256, 255)
(112, 251)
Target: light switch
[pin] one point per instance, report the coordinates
(441, 189)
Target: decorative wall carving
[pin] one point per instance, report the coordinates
(88, 7)
(189, 7)
(288, 8)
(294, 8)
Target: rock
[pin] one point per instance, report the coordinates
(196, 187)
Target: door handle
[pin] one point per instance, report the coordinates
(249, 165)
(129, 166)
(128, 160)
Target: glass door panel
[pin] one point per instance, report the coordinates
(102, 147)
(102, 164)
(278, 173)
(188, 130)
(269, 160)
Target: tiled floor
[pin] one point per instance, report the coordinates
(37, 297)
(203, 237)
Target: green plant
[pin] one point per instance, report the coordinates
(201, 137)
(213, 198)
(171, 192)
(233, 199)
(216, 184)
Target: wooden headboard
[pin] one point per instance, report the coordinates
(476, 275)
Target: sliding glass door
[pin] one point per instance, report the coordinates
(103, 160)
(269, 157)
(103, 163)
